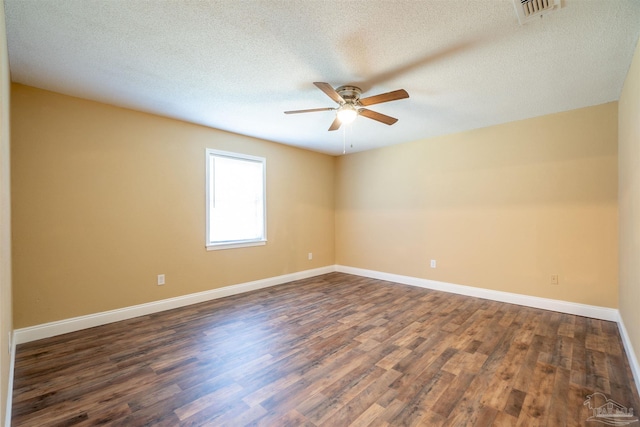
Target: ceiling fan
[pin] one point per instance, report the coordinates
(350, 105)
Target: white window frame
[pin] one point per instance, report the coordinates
(212, 246)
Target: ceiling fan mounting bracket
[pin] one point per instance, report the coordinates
(351, 94)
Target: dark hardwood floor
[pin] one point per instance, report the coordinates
(334, 350)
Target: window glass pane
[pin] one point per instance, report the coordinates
(236, 199)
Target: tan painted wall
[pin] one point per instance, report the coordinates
(5, 221)
(500, 208)
(105, 199)
(629, 204)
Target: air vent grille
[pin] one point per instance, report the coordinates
(529, 9)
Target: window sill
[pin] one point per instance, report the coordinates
(234, 245)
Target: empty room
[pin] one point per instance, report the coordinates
(319, 213)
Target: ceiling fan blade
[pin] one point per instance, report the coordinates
(330, 91)
(387, 120)
(336, 124)
(384, 97)
(312, 110)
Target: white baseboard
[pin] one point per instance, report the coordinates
(12, 365)
(46, 330)
(596, 312)
(51, 329)
(631, 354)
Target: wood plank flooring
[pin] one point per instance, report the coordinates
(334, 350)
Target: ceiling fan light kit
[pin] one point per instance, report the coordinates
(347, 114)
(351, 106)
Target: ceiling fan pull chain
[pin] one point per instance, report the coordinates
(344, 140)
(351, 144)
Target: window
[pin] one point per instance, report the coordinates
(236, 202)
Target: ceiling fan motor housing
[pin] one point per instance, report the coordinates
(351, 94)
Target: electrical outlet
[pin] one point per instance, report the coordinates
(310, 256)
(160, 279)
(554, 279)
(433, 263)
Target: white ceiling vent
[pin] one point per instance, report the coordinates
(531, 9)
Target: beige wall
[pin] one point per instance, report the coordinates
(105, 199)
(629, 200)
(5, 221)
(500, 208)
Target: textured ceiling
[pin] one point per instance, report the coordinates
(237, 65)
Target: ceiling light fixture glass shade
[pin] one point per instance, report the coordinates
(347, 113)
